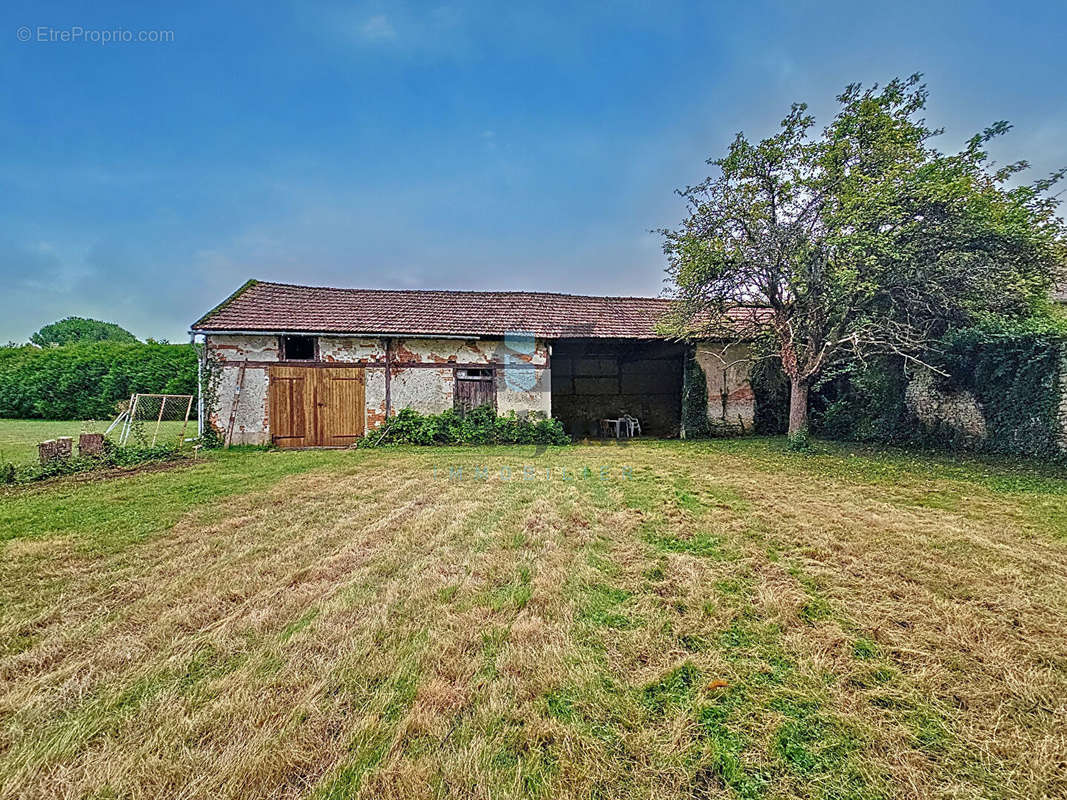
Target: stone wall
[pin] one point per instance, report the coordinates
(522, 369)
(934, 407)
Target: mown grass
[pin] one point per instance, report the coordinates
(667, 619)
(19, 437)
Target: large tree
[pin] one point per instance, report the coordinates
(78, 329)
(858, 240)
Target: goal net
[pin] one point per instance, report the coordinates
(154, 419)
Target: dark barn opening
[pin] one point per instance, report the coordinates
(594, 379)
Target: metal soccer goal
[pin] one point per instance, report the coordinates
(154, 418)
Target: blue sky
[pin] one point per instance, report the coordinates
(440, 145)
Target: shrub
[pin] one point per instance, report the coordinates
(481, 425)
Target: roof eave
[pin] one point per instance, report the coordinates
(323, 332)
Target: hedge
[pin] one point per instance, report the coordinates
(88, 381)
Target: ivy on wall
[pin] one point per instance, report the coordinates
(1013, 370)
(771, 389)
(1015, 375)
(694, 398)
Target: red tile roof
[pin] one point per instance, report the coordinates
(276, 307)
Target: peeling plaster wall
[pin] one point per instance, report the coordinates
(524, 391)
(250, 425)
(344, 348)
(428, 390)
(731, 401)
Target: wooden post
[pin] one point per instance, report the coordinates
(91, 444)
(185, 424)
(159, 419)
(46, 452)
(64, 447)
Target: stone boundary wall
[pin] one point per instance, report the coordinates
(934, 407)
(961, 412)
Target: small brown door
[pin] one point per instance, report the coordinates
(315, 406)
(340, 406)
(290, 395)
(474, 387)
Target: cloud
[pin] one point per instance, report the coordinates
(31, 266)
(378, 29)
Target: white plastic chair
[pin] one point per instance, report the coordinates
(633, 425)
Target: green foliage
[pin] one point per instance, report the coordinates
(76, 330)
(210, 377)
(88, 381)
(799, 441)
(1014, 372)
(113, 456)
(695, 399)
(481, 425)
(1012, 368)
(864, 402)
(771, 389)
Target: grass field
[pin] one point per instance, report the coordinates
(19, 437)
(663, 620)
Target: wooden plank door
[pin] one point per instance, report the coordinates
(474, 387)
(339, 405)
(290, 409)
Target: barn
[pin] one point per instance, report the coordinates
(304, 366)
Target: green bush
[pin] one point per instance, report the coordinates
(1014, 373)
(481, 425)
(799, 441)
(864, 402)
(88, 381)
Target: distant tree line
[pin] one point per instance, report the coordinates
(84, 369)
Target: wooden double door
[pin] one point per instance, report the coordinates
(315, 406)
